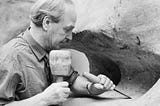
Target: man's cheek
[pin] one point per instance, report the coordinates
(57, 47)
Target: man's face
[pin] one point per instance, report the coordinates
(62, 31)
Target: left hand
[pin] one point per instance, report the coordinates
(98, 84)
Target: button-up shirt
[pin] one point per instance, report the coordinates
(22, 73)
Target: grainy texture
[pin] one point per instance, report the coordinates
(139, 69)
(134, 26)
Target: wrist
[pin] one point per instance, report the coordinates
(88, 88)
(39, 98)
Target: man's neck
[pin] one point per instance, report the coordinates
(38, 36)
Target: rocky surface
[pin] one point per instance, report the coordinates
(139, 68)
(133, 24)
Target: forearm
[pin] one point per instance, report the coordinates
(79, 86)
(32, 101)
(91, 84)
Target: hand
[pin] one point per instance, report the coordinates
(106, 83)
(98, 84)
(56, 93)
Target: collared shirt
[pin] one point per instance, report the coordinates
(22, 73)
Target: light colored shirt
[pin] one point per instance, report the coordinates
(22, 73)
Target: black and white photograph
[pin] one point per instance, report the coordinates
(79, 52)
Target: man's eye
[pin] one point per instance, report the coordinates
(68, 29)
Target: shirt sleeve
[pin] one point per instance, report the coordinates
(10, 77)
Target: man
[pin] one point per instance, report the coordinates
(25, 79)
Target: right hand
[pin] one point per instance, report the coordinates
(98, 84)
(56, 93)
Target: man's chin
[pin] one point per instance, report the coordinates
(63, 45)
(57, 47)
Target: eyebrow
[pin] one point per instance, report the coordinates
(67, 28)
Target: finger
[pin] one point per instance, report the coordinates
(65, 95)
(67, 90)
(102, 79)
(101, 75)
(63, 84)
(91, 77)
(113, 87)
(108, 84)
(98, 86)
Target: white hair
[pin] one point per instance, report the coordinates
(52, 8)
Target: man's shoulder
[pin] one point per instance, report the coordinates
(14, 47)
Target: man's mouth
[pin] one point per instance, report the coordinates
(64, 43)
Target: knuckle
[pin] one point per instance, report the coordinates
(103, 76)
(100, 75)
(53, 84)
(107, 79)
(113, 87)
(111, 82)
(68, 89)
(67, 95)
(107, 82)
(58, 90)
(66, 83)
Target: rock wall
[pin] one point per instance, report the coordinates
(133, 24)
(138, 22)
(14, 18)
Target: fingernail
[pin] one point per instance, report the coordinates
(99, 86)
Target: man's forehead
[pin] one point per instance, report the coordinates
(70, 11)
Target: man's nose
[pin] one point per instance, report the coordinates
(69, 36)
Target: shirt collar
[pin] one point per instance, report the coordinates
(36, 48)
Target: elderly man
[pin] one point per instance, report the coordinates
(25, 78)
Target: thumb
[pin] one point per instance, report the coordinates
(98, 86)
(91, 77)
(63, 84)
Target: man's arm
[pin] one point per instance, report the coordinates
(32, 101)
(56, 93)
(83, 85)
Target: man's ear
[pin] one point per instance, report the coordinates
(46, 23)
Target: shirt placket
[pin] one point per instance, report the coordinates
(47, 70)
